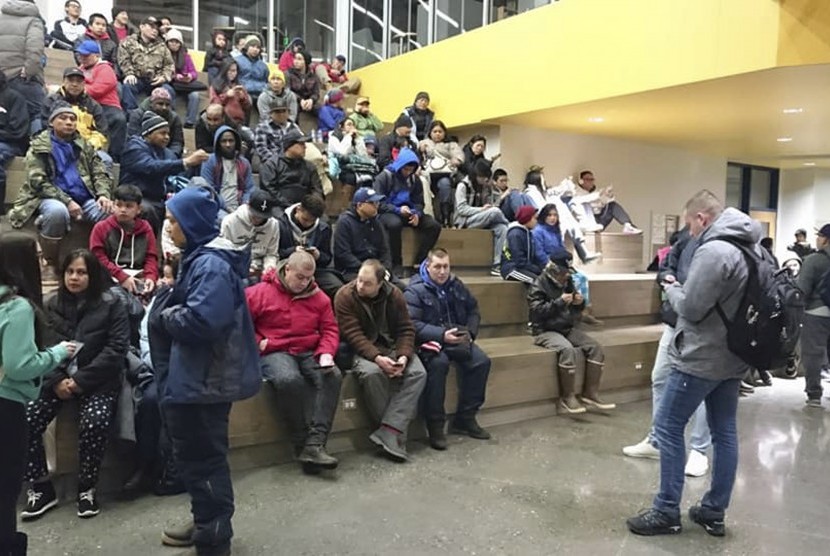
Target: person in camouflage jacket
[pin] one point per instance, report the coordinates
(145, 62)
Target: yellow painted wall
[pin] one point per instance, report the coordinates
(576, 51)
(804, 36)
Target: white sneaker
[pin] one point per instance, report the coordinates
(591, 227)
(697, 464)
(644, 449)
(629, 228)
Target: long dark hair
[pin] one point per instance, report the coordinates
(534, 178)
(20, 271)
(544, 212)
(93, 269)
(221, 82)
(178, 56)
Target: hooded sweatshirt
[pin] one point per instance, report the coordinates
(717, 276)
(207, 352)
(118, 248)
(232, 178)
(263, 239)
(293, 323)
(292, 235)
(101, 84)
(520, 252)
(398, 190)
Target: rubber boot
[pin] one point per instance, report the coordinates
(589, 318)
(51, 251)
(590, 391)
(584, 256)
(567, 399)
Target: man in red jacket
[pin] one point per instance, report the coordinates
(101, 85)
(298, 337)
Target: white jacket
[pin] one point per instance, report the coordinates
(264, 240)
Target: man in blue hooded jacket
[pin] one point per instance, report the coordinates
(446, 319)
(212, 361)
(404, 206)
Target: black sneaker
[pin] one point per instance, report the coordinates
(39, 499)
(653, 522)
(470, 427)
(711, 521)
(87, 505)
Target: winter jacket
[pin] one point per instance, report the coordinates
(119, 249)
(212, 171)
(287, 56)
(253, 74)
(148, 168)
(469, 201)
(357, 240)
(263, 103)
(67, 33)
(145, 60)
(103, 327)
(21, 40)
(205, 134)
(41, 170)
(813, 270)
(520, 252)
(376, 326)
(108, 46)
(22, 364)
(291, 236)
(268, 138)
(676, 263)
(421, 122)
(176, 128)
(202, 336)
(263, 240)
(290, 179)
(304, 85)
(14, 117)
(547, 240)
(435, 309)
(400, 191)
(113, 33)
(101, 84)
(292, 323)
(367, 124)
(390, 145)
(445, 157)
(237, 106)
(346, 145)
(329, 119)
(92, 125)
(548, 311)
(188, 69)
(215, 58)
(717, 276)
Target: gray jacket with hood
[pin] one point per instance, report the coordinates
(21, 40)
(717, 276)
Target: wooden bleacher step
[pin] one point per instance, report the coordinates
(621, 253)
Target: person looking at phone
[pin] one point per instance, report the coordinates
(297, 336)
(375, 324)
(446, 319)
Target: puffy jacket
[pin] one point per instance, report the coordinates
(14, 117)
(547, 240)
(366, 124)
(92, 125)
(176, 128)
(288, 180)
(390, 145)
(145, 60)
(291, 235)
(109, 48)
(548, 312)
(421, 121)
(263, 103)
(21, 40)
(435, 309)
(813, 270)
(40, 172)
(118, 248)
(22, 364)
(202, 336)
(398, 190)
(520, 251)
(304, 85)
(213, 169)
(357, 240)
(253, 74)
(101, 84)
(148, 167)
(292, 323)
(263, 239)
(103, 327)
(287, 57)
(329, 118)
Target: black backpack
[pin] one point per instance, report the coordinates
(765, 329)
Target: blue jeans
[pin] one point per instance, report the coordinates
(53, 220)
(192, 103)
(129, 93)
(34, 94)
(700, 438)
(684, 393)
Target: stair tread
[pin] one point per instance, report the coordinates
(508, 346)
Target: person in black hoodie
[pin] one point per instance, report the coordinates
(216, 54)
(302, 230)
(82, 311)
(291, 177)
(359, 235)
(399, 138)
(420, 115)
(14, 131)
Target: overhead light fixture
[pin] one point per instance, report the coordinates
(596, 120)
(784, 139)
(240, 20)
(809, 164)
(793, 110)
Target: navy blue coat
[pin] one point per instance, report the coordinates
(356, 240)
(432, 316)
(520, 252)
(147, 167)
(319, 237)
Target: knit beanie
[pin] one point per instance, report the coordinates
(117, 10)
(151, 122)
(403, 121)
(60, 108)
(251, 40)
(335, 96)
(524, 214)
(277, 73)
(422, 95)
(159, 93)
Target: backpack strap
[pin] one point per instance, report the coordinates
(751, 266)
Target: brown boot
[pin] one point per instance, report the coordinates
(589, 318)
(567, 399)
(49, 268)
(590, 392)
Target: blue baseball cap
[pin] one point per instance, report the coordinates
(88, 47)
(824, 231)
(367, 195)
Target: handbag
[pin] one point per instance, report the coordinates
(188, 87)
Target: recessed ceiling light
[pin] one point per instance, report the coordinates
(784, 139)
(596, 120)
(809, 164)
(793, 110)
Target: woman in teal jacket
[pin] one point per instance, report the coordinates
(22, 364)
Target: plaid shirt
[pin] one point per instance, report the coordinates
(268, 139)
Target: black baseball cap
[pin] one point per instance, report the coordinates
(73, 72)
(261, 204)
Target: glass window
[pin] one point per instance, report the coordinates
(236, 17)
(734, 177)
(367, 32)
(501, 9)
(313, 20)
(409, 27)
(759, 188)
(179, 11)
(453, 17)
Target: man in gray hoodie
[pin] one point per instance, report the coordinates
(816, 325)
(703, 367)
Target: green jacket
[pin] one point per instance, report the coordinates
(21, 363)
(40, 173)
(366, 125)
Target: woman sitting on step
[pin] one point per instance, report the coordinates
(85, 312)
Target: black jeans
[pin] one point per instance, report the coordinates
(471, 372)
(154, 213)
(200, 449)
(613, 211)
(14, 432)
(427, 231)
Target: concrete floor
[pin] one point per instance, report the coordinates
(551, 486)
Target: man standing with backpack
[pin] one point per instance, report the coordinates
(814, 281)
(704, 368)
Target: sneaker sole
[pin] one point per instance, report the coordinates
(570, 411)
(717, 531)
(89, 513)
(673, 530)
(641, 456)
(595, 405)
(396, 456)
(32, 515)
(318, 464)
(167, 540)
